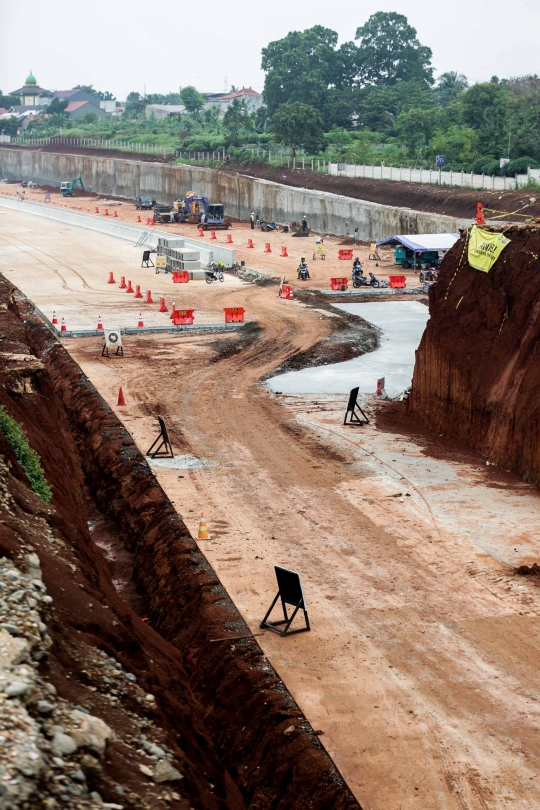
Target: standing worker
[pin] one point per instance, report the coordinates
(304, 224)
(252, 220)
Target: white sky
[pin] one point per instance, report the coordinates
(124, 45)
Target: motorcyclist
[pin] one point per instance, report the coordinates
(303, 272)
(357, 268)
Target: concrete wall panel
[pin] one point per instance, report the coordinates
(326, 213)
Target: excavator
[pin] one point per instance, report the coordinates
(68, 189)
(194, 207)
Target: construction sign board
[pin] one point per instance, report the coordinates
(318, 250)
(113, 342)
(161, 261)
(485, 248)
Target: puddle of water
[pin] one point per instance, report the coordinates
(186, 462)
(402, 323)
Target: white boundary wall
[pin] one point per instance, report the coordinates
(121, 230)
(434, 177)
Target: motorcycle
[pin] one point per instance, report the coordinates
(358, 279)
(374, 282)
(431, 274)
(266, 227)
(214, 273)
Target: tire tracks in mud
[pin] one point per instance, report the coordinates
(33, 250)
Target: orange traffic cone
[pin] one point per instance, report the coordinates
(87, 210)
(116, 214)
(121, 400)
(99, 323)
(97, 210)
(267, 248)
(162, 307)
(229, 239)
(284, 254)
(203, 531)
(106, 212)
(111, 278)
(138, 217)
(148, 299)
(63, 327)
(138, 293)
(140, 323)
(171, 316)
(123, 284)
(54, 318)
(480, 215)
(201, 232)
(129, 288)
(250, 243)
(213, 235)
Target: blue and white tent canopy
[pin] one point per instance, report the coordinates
(419, 242)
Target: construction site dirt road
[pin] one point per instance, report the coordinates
(420, 670)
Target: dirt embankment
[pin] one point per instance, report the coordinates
(477, 375)
(216, 711)
(449, 200)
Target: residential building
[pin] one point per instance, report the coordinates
(75, 109)
(159, 111)
(77, 95)
(222, 101)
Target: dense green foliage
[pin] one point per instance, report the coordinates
(370, 100)
(27, 458)
(298, 125)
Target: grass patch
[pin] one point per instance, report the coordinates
(27, 458)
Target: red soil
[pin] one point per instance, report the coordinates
(219, 707)
(477, 376)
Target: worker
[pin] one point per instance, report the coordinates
(356, 264)
(302, 271)
(304, 224)
(203, 217)
(252, 221)
(172, 215)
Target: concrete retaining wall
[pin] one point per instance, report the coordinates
(326, 213)
(121, 230)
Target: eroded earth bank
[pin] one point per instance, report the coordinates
(121, 696)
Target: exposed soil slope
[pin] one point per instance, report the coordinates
(477, 375)
(234, 730)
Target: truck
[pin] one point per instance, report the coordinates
(408, 258)
(68, 189)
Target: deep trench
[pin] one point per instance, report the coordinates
(158, 570)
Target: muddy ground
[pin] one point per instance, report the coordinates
(452, 201)
(419, 673)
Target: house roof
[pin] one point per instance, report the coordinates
(3, 111)
(245, 91)
(67, 93)
(76, 105)
(30, 90)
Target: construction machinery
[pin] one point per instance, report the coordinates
(68, 189)
(199, 211)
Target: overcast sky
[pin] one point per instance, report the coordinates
(124, 45)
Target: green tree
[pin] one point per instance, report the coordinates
(486, 108)
(135, 105)
(378, 107)
(9, 101)
(299, 126)
(449, 86)
(390, 51)
(192, 100)
(90, 118)
(57, 106)
(308, 67)
(9, 126)
(458, 144)
(237, 122)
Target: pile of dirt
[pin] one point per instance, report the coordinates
(477, 375)
(216, 713)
